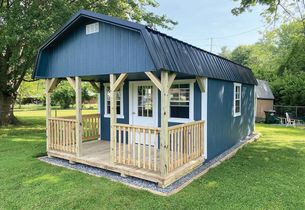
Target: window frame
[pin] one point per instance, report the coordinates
(92, 28)
(236, 114)
(191, 102)
(106, 115)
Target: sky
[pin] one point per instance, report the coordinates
(201, 20)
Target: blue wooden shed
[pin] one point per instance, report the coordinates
(165, 106)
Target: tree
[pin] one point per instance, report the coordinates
(64, 95)
(241, 55)
(30, 89)
(25, 25)
(276, 10)
(225, 52)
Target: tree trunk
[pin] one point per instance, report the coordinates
(7, 110)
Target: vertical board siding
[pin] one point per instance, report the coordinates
(113, 49)
(224, 130)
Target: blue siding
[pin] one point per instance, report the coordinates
(224, 130)
(112, 50)
(105, 121)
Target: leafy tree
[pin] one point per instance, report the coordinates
(276, 10)
(241, 55)
(30, 89)
(64, 96)
(278, 57)
(25, 25)
(225, 52)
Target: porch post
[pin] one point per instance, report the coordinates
(112, 118)
(79, 120)
(164, 137)
(48, 111)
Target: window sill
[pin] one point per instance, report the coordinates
(237, 114)
(119, 116)
(180, 120)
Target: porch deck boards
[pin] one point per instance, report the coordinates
(97, 154)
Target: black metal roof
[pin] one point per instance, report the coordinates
(172, 54)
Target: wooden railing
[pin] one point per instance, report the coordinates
(62, 135)
(91, 127)
(62, 132)
(186, 143)
(137, 146)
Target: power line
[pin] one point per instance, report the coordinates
(238, 34)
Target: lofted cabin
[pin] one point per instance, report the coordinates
(165, 106)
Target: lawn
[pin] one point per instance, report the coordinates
(267, 174)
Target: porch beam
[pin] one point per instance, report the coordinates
(201, 83)
(113, 119)
(52, 83)
(171, 78)
(95, 86)
(164, 137)
(79, 120)
(118, 83)
(154, 79)
(48, 111)
(72, 83)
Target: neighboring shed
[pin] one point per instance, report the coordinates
(165, 105)
(265, 99)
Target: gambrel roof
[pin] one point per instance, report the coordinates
(165, 52)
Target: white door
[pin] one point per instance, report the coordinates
(144, 105)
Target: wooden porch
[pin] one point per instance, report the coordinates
(158, 154)
(136, 151)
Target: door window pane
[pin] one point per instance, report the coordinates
(145, 101)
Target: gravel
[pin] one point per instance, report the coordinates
(139, 183)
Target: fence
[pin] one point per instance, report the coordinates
(296, 112)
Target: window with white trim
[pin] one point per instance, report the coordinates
(92, 28)
(237, 99)
(181, 102)
(119, 102)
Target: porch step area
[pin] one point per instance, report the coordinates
(97, 154)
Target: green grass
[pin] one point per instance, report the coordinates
(267, 174)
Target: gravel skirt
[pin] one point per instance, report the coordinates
(147, 185)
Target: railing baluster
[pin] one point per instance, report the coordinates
(139, 145)
(124, 145)
(149, 149)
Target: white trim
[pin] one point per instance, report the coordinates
(131, 100)
(191, 111)
(119, 116)
(236, 114)
(204, 116)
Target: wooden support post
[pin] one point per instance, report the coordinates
(72, 83)
(118, 83)
(164, 137)
(79, 120)
(48, 111)
(154, 79)
(112, 117)
(95, 86)
(201, 83)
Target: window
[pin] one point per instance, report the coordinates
(119, 102)
(92, 28)
(181, 103)
(145, 101)
(237, 99)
